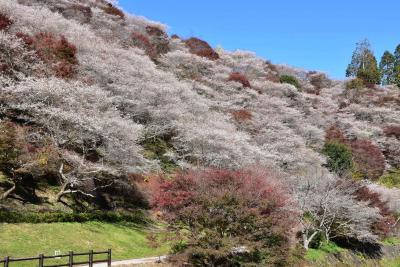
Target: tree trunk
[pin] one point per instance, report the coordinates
(8, 192)
(307, 240)
(62, 191)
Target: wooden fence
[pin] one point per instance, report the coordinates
(41, 259)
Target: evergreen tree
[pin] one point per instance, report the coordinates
(396, 74)
(387, 68)
(397, 55)
(363, 64)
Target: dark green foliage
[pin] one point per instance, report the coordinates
(364, 65)
(370, 73)
(391, 179)
(156, 148)
(137, 217)
(397, 66)
(396, 77)
(397, 55)
(339, 158)
(8, 150)
(290, 80)
(386, 68)
(355, 84)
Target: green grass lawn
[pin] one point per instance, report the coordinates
(316, 255)
(126, 241)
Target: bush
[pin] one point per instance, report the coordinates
(290, 80)
(141, 41)
(354, 84)
(392, 130)
(340, 159)
(55, 51)
(9, 151)
(112, 10)
(335, 134)
(5, 22)
(240, 78)
(79, 12)
(391, 179)
(201, 48)
(234, 217)
(384, 226)
(368, 158)
(156, 149)
(242, 115)
(56, 217)
(319, 81)
(159, 39)
(273, 78)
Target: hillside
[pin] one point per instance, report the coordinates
(95, 101)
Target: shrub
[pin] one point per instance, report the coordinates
(79, 12)
(240, 78)
(154, 31)
(368, 158)
(201, 48)
(290, 80)
(319, 81)
(392, 130)
(8, 149)
(273, 78)
(384, 226)
(159, 39)
(141, 41)
(242, 115)
(156, 149)
(354, 84)
(391, 179)
(55, 217)
(335, 134)
(340, 159)
(112, 10)
(233, 217)
(5, 22)
(26, 38)
(56, 52)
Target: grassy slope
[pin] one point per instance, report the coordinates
(126, 241)
(323, 257)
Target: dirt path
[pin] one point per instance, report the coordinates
(131, 262)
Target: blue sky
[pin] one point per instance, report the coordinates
(312, 34)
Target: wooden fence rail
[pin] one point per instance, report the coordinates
(41, 259)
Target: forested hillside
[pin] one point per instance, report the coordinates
(103, 111)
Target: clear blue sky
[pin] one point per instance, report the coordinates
(313, 34)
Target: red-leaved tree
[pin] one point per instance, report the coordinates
(201, 48)
(232, 216)
(368, 158)
(240, 78)
(385, 225)
(5, 22)
(54, 50)
(392, 130)
(242, 115)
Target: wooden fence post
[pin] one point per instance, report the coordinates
(71, 259)
(41, 260)
(91, 258)
(6, 261)
(109, 258)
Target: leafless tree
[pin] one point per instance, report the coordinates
(329, 208)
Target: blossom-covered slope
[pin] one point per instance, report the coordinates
(113, 92)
